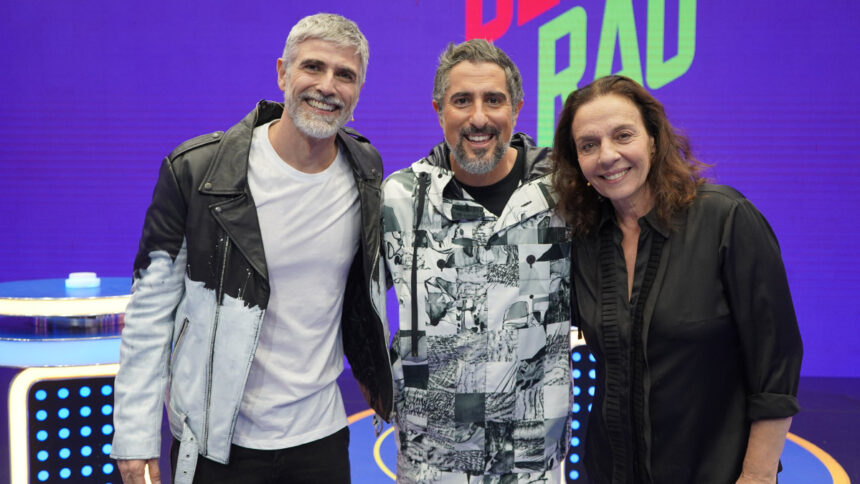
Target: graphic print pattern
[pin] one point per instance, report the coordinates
(489, 389)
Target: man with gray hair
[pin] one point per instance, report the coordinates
(257, 271)
(480, 263)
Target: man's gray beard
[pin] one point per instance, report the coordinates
(484, 161)
(311, 125)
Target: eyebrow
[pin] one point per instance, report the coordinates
(348, 70)
(593, 134)
(315, 61)
(472, 94)
(585, 137)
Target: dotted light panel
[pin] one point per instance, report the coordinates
(61, 427)
(71, 427)
(584, 378)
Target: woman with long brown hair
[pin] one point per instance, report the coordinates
(680, 290)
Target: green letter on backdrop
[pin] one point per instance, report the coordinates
(618, 22)
(660, 73)
(552, 84)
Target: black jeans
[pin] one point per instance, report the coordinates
(324, 460)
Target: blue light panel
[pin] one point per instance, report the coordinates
(64, 429)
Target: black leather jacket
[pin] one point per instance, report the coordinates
(202, 230)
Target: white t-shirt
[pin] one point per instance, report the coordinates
(310, 225)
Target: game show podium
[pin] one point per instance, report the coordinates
(59, 348)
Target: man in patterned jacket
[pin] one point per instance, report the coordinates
(480, 264)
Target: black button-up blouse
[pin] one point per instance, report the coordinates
(707, 343)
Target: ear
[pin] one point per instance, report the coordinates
(438, 109)
(517, 110)
(282, 74)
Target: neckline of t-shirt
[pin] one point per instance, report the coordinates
(272, 157)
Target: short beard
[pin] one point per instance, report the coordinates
(485, 160)
(312, 125)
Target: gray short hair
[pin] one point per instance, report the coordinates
(331, 28)
(476, 50)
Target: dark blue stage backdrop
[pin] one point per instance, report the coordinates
(96, 92)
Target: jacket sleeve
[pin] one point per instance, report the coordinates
(757, 288)
(149, 321)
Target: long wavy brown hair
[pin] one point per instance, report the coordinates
(674, 174)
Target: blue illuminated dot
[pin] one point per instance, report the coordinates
(107, 429)
(576, 408)
(63, 413)
(43, 475)
(107, 468)
(574, 441)
(592, 373)
(574, 424)
(576, 373)
(42, 455)
(65, 472)
(574, 458)
(591, 391)
(64, 433)
(107, 409)
(576, 356)
(86, 470)
(589, 407)
(86, 411)
(42, 435)
(591, 359)
(107, 390)
(41, 415)
(86, 431)
(41, 395)
(106, 449)
(576, 390)
(63, 393)
(85, 391)
(86, 451)
(65, 453)
(574, 475)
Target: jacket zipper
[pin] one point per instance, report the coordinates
(218, 301)
(423, 181)
(177, 345)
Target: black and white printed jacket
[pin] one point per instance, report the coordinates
(481, 358)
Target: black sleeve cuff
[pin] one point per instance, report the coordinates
(763, 406)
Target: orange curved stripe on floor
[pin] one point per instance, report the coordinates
(358, 416)
(836, 471)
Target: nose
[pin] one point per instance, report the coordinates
(479, 117)
(608, 153)
(326, 84)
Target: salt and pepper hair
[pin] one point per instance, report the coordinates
(476, 50)
(330, 28)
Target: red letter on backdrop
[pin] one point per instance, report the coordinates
(529, 9)
(494, 29)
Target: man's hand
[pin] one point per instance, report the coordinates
(133, 471)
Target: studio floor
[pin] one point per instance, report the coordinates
(823, 445)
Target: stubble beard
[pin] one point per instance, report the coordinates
(484, 160)
(311, 124)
